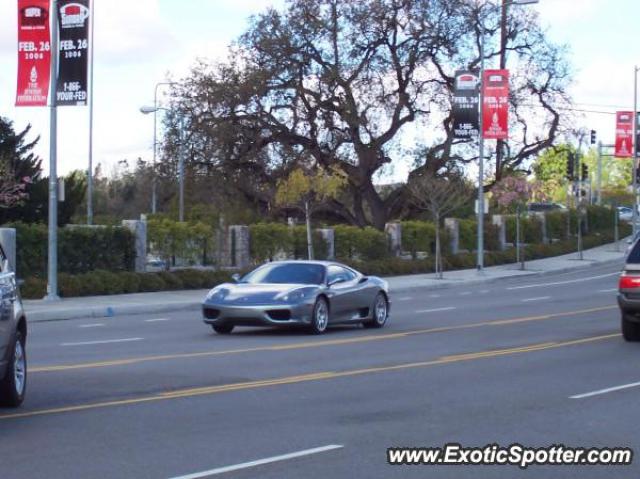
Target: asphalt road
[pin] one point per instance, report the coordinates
(164, 397)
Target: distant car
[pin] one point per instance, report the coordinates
(13, 338)
(312, 294)
(541, 207)
(629, 294)
(625, 213)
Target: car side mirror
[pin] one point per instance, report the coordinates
(235, 277)
(363, 279)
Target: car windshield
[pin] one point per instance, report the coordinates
(288, 273)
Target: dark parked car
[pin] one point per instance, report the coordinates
(313, 294)
(13, 338)
(542, 207)
(629, 294)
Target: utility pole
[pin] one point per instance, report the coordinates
(599, 178)
(52, 273)
(90, 170)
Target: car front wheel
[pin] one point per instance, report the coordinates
(222, 328)
(320, 319)
(630, 329)
(14, 384)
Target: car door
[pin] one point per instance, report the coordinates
(7, 298)
(343, 283)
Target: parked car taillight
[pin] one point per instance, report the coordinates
(628, 282)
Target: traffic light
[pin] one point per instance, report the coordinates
(585, 172)
(593, 137)
(570, 166)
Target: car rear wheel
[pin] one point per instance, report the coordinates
(630, 329)
(380, 312)
(222, 328)
(14, 384)
(320, 319)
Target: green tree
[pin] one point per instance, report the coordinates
(307, 191)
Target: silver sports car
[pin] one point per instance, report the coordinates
(313, 294)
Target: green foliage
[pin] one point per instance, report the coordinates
(530, 229)
(268, 239)
(80, 249)
(367, 243)
(556, 224)
(600, 218)
(188, 241)
(299, 243)
(421, 236)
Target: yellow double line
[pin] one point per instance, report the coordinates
(318, 376)
(314, 344)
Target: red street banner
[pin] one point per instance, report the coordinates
(34, 53)
(495, 108)
(624, 134)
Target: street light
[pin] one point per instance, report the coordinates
(154, 182)
(634, 168)
(153, 109)
(480, 260)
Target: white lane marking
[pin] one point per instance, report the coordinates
(98, 325)
(109, 341)
(580, 280)
(434, 295)
(484, 291)
(406, 298)
(541, 298)
(435, 310)
(466, 293)
(260, 462)
(605, 391)
(156, 320)
(607, 290)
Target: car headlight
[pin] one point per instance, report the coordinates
(217, 294)
(295, 296)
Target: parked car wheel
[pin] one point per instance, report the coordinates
(320, 319)
(630, 329)
(14, 384)
(222, 328)
(380, 312)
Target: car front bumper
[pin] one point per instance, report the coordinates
(258, 315)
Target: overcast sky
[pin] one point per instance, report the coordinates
(139, 42)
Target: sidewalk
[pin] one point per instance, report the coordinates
(166, 301)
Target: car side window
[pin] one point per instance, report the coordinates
(338, 273)
(634, 254)
(3, 261)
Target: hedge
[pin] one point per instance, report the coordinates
(102, 282)
(468, 232)
(80, 249)
(367, 243)
(268, 240)
(530, 229)
(421, 236)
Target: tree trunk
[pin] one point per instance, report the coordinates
(307, 214)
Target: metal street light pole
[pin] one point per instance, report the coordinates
(90, 170)
(52, 272)
(154, 182)
(153, 109)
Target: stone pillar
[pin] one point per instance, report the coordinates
(139, 229)
(238, 247)
(542, 219)
(394, 238)
(501, 223)
(452, 225)
(328, 235)
(8, 242)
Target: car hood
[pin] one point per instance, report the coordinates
(244, 293)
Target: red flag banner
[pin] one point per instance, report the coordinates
(624, 134)
(34, 53)
(495, 108)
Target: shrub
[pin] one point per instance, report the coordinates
(600, 218)
(151, 282)
(556, 225)
(367, 243)
(130, 282)
(299, 243)
(172, 281)
(33, 288)
(269, 239)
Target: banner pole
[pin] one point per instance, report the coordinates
(52, 278)
(90, 100)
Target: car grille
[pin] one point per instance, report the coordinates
(280, 314)
(211, 313)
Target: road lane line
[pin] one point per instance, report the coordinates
(315, 344)
(189, 393)
(484, 291)
(156, 320)
(605, 391)
(98, 325)
(108, 341)
(405, 298)
(579, 280)
(466, 293)
(540, 298)
(435, 295)
(435, 310)
(608, 290)
(260, 462)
